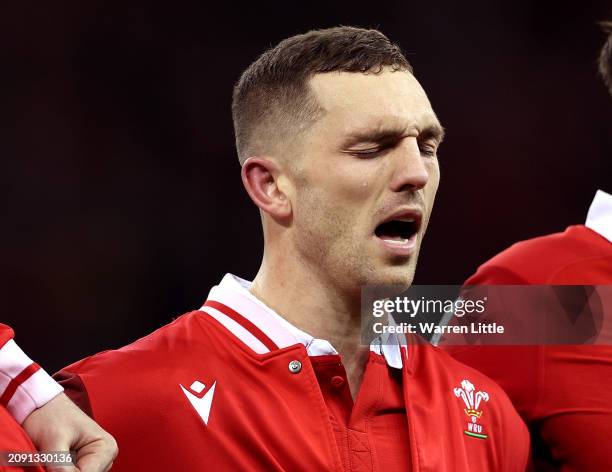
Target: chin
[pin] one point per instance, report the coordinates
(399, 276)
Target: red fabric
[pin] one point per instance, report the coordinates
(562, 392)
(368, 432)
(266, 418)
(578, 256)
(14, 439)
(6, 333)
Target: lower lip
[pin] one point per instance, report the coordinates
(403, 248)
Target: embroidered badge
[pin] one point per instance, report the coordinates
(472, 399)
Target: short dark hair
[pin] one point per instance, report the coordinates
(272, 100)
(605, 57)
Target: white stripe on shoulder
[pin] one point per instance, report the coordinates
(236, 329)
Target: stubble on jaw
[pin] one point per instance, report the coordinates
(326, 241)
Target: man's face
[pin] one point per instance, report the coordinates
(366, 179)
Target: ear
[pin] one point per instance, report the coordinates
(260, 177)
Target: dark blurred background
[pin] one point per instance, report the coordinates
(122, 196)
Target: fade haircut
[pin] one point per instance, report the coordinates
(272, 102)
(605, 57)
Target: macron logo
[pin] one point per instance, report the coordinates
(201, 404)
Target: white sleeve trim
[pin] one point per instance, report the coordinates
(12, 361)
(34, 392)
(599, 218)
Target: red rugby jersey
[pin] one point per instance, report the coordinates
(562, 392)
(14, 439)
(235, 387)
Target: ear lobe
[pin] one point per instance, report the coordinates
(260, 178)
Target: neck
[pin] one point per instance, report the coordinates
(315, 305)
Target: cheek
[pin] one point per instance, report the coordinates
(430, 193)
(342, 193)
(346, 177)
(327, 221)
(359, 195)
(433, 182)
(433, 188)
(436, 172)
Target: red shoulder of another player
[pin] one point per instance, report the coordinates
(559, 258)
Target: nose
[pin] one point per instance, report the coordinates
(410, 170)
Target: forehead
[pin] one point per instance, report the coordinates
(354, 101)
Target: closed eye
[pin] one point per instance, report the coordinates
(425, 150)
(429, 151)
(366, 153)
(372, 152)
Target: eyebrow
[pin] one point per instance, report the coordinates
(381, 134)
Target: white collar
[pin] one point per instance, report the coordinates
(599, 218)
(265, 330)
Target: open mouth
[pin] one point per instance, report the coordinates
(397, 231)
